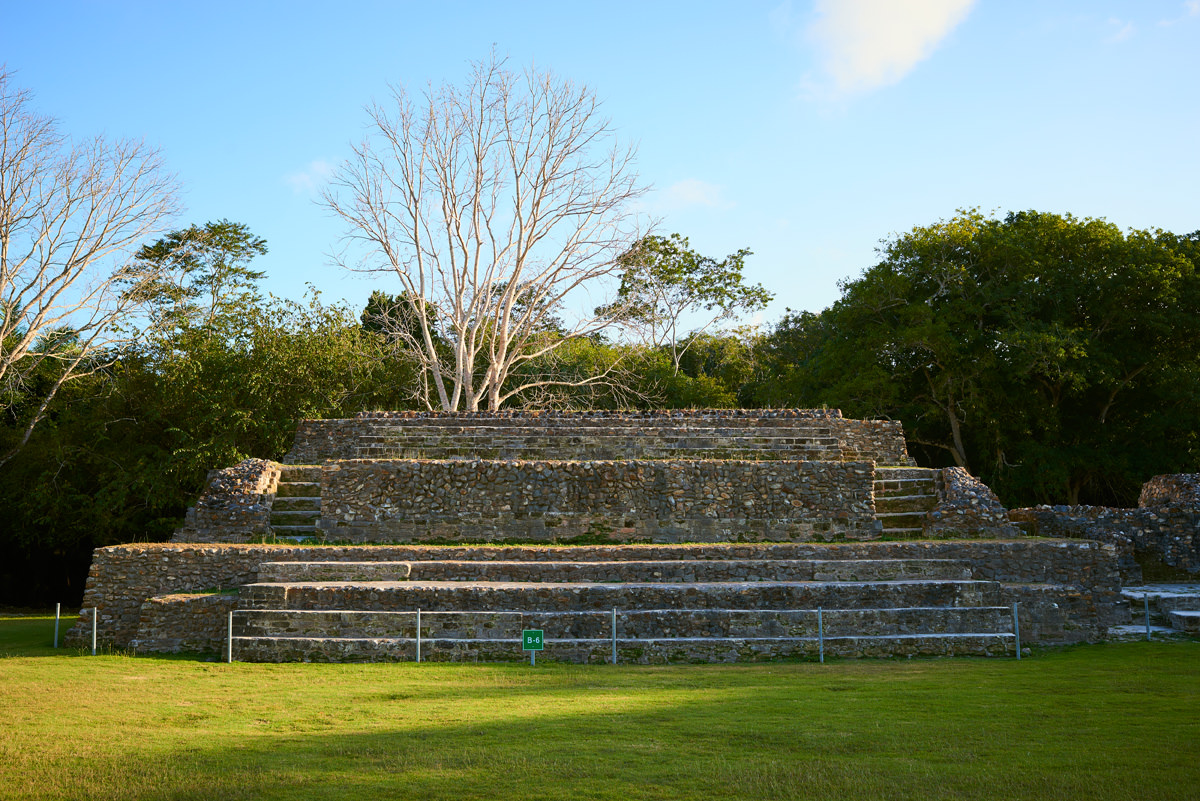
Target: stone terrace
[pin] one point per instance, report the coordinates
(765, 524)
(791, 434)
(719, 602)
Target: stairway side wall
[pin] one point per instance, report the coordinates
(1168, 534)
(967, 507)
(626, 501)
(235, 505)
(124, 577)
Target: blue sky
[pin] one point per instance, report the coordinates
(806, 131)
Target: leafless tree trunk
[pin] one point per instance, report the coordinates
(70, 213)
(499, 206)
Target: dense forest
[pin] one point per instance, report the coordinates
(1056, 358)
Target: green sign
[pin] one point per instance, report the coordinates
(531, 640)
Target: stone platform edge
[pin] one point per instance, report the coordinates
(124, 578)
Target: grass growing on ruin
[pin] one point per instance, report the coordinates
(1097, 722)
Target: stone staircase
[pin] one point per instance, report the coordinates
(1174, 607)
(681, 603)
(694, 535)
(297, 507)
(598, 440)
(903, 497)
(798, 435)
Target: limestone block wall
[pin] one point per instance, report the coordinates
(172, 624)
(1165, 527)
(1177, 489)
(1170, 534)
(813, 434)
(967, 507)
(123, 578)
(235, 505)
(629, 501)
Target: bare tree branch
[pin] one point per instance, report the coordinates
(497, 206)
(69, 216)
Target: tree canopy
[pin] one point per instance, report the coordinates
(664, 283)
(1056, 357)
(70, 212)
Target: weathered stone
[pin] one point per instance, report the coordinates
(1079, 576)
(781, 513)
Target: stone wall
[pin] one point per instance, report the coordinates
(124, 578)
(1178, 489)
(235, 504)
(193, 623)
(628, 501)
(814, 434)
(1165, 528)
(1168, 534)
(967, 507)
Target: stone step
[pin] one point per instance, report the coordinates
(900, 520)
(296, 504)
(1164, 598)
(294, 518)
(1187, 620)
(721, 551)
(688, 570)
(655, 651)
(298, 533)
(566, 596)
(928, 495)
(300, 473)
(905, 503)
(682, 440)
(637, 624)
(903, 533)
(888, 473)
(593, 452)
(297, 489)
(598, 428)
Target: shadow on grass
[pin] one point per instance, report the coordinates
(33, 635)
(1101, 723)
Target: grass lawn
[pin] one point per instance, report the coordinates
(1118, 721)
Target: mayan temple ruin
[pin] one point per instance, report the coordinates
(701, 535)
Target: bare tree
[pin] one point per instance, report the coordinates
(498, 206)
(70, 213)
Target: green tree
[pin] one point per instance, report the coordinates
(1056, 357)
(70, 212)
(203, 275)
(665, 284)
(123, 451)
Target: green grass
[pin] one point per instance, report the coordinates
(1118, 721)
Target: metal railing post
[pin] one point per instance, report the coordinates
(95, 618)
(821, 633)
(418, 634)
(1146, 604)
(614, 636)
(229, 641)
(1017, 629)
(57, 611)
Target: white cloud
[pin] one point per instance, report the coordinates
(780, 17)
(691, 192)
(866, 44)
(1124, 30)
(1191, 8)
(310, 179)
